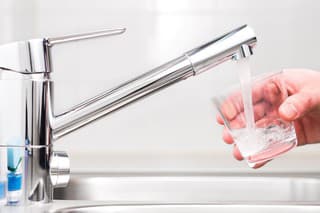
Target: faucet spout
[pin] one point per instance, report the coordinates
(229, 46)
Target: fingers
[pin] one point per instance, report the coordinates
(230, 108)
(226, 136)
(259, 165)
(298, 104)
(261, 110)
(219, 119)
(272, 92)
(236, 153)
(265, 95)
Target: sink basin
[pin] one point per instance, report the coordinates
(192, 188)
(193, 208)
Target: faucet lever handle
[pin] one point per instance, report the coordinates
(83, 36)
(33, 56)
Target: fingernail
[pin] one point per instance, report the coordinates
(289, 111)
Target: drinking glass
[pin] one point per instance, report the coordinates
(270, 136)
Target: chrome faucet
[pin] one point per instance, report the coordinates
(29, 65)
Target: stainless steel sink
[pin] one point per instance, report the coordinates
(192, 188)
(193, 208)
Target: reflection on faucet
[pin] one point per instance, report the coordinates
(29, 62)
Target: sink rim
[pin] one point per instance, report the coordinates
(194, 205)
(252, 173)
(192, 187)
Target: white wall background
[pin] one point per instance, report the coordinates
(174, 129)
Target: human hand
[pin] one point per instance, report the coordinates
(302, 107)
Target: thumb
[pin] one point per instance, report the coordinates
(297, 105)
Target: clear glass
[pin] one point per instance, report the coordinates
(271, 136)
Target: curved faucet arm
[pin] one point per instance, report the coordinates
(233, 45)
